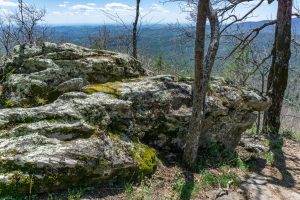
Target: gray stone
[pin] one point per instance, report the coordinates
(31, 69)
(98, 111)
(74, 84)
(162, 108)
(92, 136)
(69, 142)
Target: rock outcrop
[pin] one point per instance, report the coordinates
(99, 132)
(50, 70)
(69, 142)
(162, 106)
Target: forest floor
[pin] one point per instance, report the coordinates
(261, 169)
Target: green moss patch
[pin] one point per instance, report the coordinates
(112, 88)
(146, 157)
(9, 104)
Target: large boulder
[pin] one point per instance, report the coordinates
(100, 116)
(162, 108)
(48, 70)
(69, 142)
(94, 135)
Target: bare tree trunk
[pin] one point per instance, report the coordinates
(192, 140)
(135, 29)
(278, 75)
(259, 113)
(21, 11)
(212, 49)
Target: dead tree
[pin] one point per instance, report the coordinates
(101, 39)
(23, 27)
(278, 75)
(27, 20)
(7, 35)
(131, 32)
(135, 29)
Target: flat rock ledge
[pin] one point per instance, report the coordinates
(102, 131)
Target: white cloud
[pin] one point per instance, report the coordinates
(117, 7)
(7, 3)
(91, 4)
(85, 9)
(80, 7)
(82, 12)
(56, 13)
(254, 3)
(158, 8)
(64, 4)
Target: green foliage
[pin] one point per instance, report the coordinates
(9, 103)
(241, 164)
(7, 74)
(290, 134)
(129, 191)
(32, 197)
(40, 101)
(216, 156)
(75, 194)
(160, 64)
(144, 191)
(269, 156)
(251, 131)
(223, 178)
(51, 196)
(186, 189)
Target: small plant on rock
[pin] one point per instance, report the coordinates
(40, 101)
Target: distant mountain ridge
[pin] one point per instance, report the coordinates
(161, 40)
(243, 25)
(270, 29)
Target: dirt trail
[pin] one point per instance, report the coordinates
(278, 182)
(281, 181)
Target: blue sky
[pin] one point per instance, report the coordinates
(93, 11)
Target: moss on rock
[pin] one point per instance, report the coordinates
(112, 88)
(146, 156)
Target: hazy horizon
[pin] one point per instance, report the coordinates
(60, 12)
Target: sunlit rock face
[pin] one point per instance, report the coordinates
(48, 70)
(71, 141)
(103, 119)
(162, 107)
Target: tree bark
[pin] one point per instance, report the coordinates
(278, 75)
(212, 49)
(259, 113)
(134, 29)
(192, 140)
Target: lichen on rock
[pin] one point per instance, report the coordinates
(50, 69)
(97, 117)
(68, 140)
